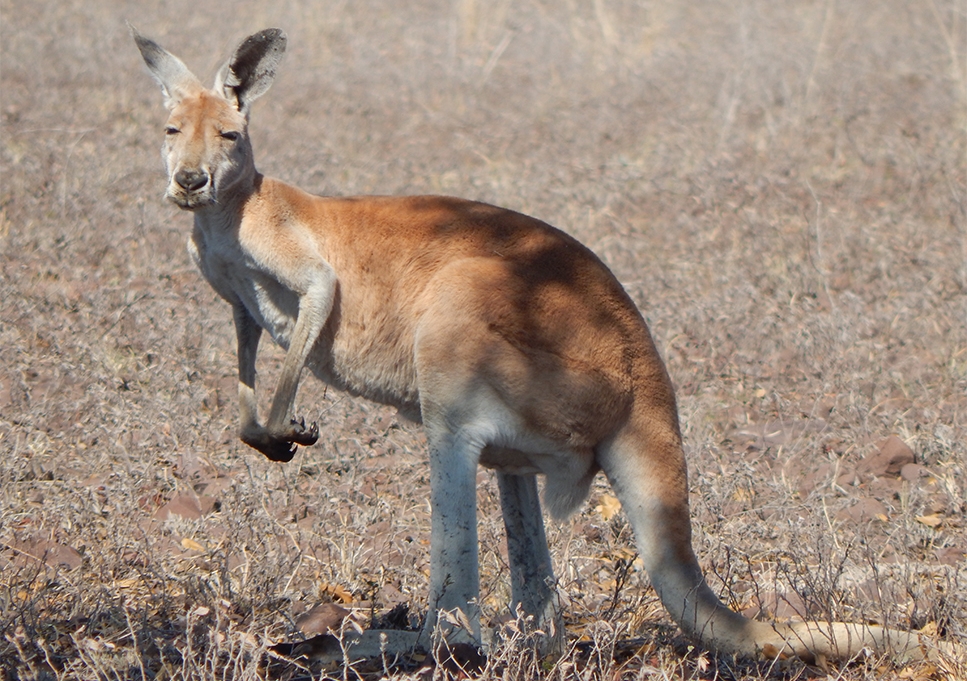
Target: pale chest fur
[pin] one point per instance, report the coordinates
(364, 347)
(238, 278)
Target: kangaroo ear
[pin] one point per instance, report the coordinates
(173, 76)
(251, 70)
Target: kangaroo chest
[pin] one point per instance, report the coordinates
(357, 351)
(237, 277)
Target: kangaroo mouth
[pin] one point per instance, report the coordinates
(191, 201)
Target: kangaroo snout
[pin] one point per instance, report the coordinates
(191, 180)
(191, 188)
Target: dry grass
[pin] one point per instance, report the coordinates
(780, 186)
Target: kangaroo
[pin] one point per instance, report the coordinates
(511, 342)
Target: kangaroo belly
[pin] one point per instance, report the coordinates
(371, 365)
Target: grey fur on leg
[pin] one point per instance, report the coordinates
(531, 572)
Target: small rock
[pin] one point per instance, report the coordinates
(814, 479)
(950, 555)
(913, 472)
(189, 506)
(892, 456)
(885, 487)
(864, 510)
(773, 604)
(324, 618)
(49, 552)
(896, 453)
(184, 505)
(847, 479)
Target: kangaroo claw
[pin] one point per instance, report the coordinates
(300, 434)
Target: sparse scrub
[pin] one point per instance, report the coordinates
(781, 187)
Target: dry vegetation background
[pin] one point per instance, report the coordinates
(779, 185)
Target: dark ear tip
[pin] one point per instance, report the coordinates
(149, 48)
(276, 36)
(135, 33)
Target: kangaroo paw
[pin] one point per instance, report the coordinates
(301, 434)
(281, 446)
(274, 448)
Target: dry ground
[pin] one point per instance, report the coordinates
(779, 185)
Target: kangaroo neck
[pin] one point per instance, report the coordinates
(226, 215)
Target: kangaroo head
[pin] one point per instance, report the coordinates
(207, 151)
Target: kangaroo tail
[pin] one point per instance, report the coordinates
(646, 467)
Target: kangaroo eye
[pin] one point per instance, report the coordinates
(230, 135)
(171, 130)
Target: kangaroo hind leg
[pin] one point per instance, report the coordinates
(533, 586)
(453, 611)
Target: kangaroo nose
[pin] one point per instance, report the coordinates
(192, 180)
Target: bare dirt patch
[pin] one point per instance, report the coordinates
(780, 186)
